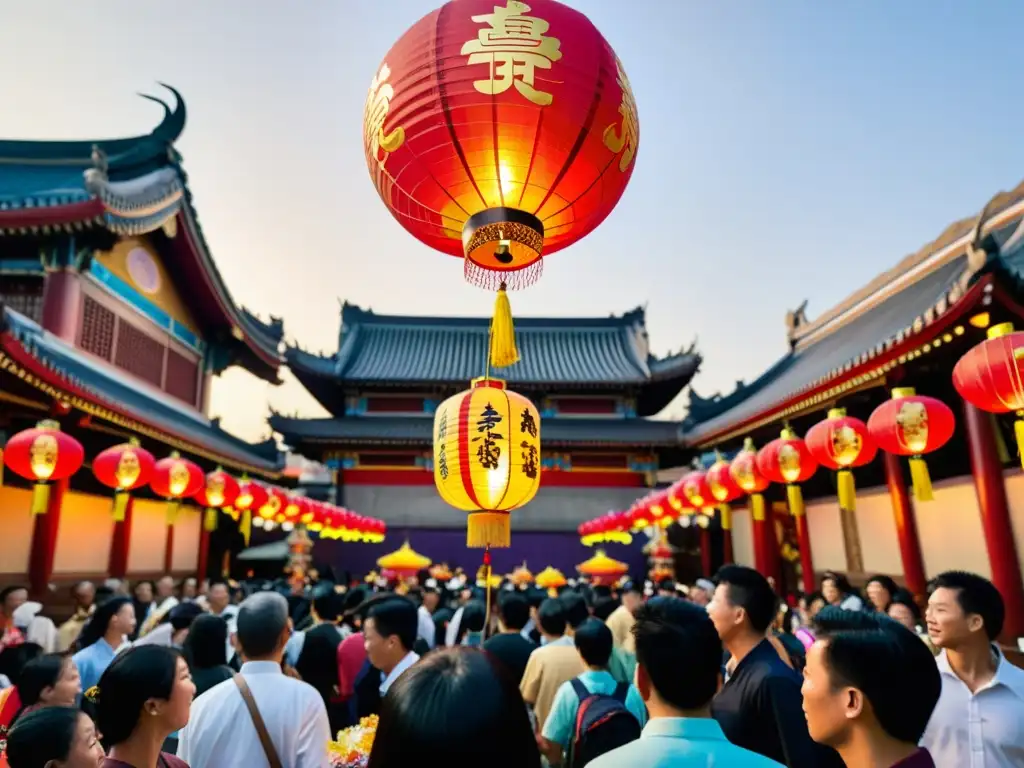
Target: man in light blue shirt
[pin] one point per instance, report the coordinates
(594, 643)
(679, 658)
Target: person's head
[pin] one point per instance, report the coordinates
(54, 737)
(575, 608)
(904, 610)
(51, 680)
(880, 590)
(431, 599)
(551, 618)
(11, 598)
(262, 627)
(114, 619)
(218, 596)
(678, 655)
(143, 592)
(14, 658)
(165, 587)
(835, 587)
(667, 588)
(441, 617)
(181, 618)
(632, 596)
(604, 607)
(146, 693)
(535, 596)
(327, 604)
(84, 594)
(491, 727)
(963, 609)
(809, 606)
(743, 604)
(594, 643)
(474, 616)
(867, 673)
(513, 612)
(318, 661)
(189, 588)
(390, 632)
(701, 592)
(206, 644)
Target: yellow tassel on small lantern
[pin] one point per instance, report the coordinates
(757, 509)
(210, 520)
(171, 511)
(503, 333)
(40, 498)
(920, 479)
(725, 516)
(796, 500)
(846, 490)
(120, 506)
(489, 529)
(1018, 433)
(245, 527)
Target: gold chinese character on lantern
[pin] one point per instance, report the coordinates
(42, 456)
(179, 478)
(789, 463)
(489, 451)
(846, 445)
(378, 102)
(912, 421)
(128, 469)
(513, 47)
(623, 137)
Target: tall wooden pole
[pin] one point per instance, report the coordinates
(120, 543)
(906, 527)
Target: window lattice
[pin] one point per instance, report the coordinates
(181, 378)
(97, 329)
(24, 298)
(139, 354)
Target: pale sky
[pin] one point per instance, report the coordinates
(788, 150)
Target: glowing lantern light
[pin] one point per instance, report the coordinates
(43, 454)
(744, 471)
(125, 468)
(723, 489)
(219, 491)
(842, 443)
(786, 460)
(487, 458)
(273, 509)
(696, 490)
(174, 479)
(500, 133)
(912, 425)
(250, 496)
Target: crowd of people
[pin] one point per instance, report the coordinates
(722, 672)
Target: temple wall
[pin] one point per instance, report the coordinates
(742, 537)
(15, 530)
(83, 538)
(186, 540)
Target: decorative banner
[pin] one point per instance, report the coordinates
(43, 454)
(841, 443)
(124, 468)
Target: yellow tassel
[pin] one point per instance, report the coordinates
(120, 505)
(171, 513)
(757, 506)
(245, 527)
(847, 490)
(503, 333)
(725, 515)
(921, 480)
(40, 498)
(210, 520)
(1001, 449)
(489, 529)
(796, 500)
(1018, 432)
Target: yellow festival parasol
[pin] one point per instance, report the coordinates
(404, 561)
(521, 576)
(441, 573)
(602, 569)
(550, 579)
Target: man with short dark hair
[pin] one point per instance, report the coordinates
(759, 708)
(390, 633)
(509, 647)
(870, 686)
(678, 657)
(552, 664)
(979, 719)
(84, 595)
(11, 598)
(221, 731)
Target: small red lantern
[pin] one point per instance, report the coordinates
(175, 478)
(250, 496)
(274, 506)
(124, 468)
(744, 471)
(842, 443)
(912, 425)
(990, 377)
(696, 490)
(43, 454)
(724, 490)
(786, 460)
(219, 492)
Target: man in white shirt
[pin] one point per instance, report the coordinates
(220, 731)
(979, 720)
(425, 628)
(390, 633)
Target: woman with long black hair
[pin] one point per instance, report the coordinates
(206, 652)
(105, 635)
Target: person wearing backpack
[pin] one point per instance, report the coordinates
(592, 713)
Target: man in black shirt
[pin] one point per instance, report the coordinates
(760, 707)
(509, 647)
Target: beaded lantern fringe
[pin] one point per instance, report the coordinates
(492, 279)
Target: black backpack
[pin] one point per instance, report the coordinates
(602, 724)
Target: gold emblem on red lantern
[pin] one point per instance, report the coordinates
(846, 445)
(789, 463)
(624, 136)
(178, 479)
(378, 102)
(513, 48)
(43, 456)
(912, 420)
(128, 469)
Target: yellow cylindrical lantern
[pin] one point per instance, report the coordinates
(487, 457)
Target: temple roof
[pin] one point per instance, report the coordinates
(578, 353)
(925, 289)
(131, 187)
(63, 372)
(418, 430)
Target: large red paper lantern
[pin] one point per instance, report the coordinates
(500, 133)
(786, 460)
(124, 468)
(912, 425)
(218, 492)
(175, 478)
(990, 376)
(43, 454)
(841, 443)
(696, 490)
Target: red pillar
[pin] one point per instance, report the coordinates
(995, 518)
(169, 549)
(44, 540)
(906, 528)
(62, 302)
(705, 552)
(770, 542)
(803, 537)
(117, 565)
(204, 553)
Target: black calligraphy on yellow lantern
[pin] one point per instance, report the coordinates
(487, 457)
